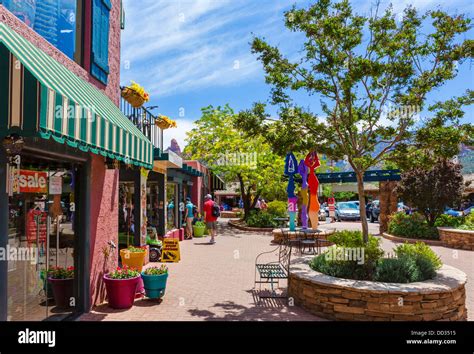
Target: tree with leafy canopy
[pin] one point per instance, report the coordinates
(372, 74)
(235, 156)
(432, 191)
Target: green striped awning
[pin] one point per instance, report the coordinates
(41, 96)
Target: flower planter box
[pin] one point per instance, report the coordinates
(63, 291)
(121, 292)
(199, 230)
(155, 285)
(133, 259)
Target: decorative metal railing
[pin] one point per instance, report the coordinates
(144, 120)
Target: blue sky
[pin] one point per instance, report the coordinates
(192, 53)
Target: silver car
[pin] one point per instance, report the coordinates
(347, 211)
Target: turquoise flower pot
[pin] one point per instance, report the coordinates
(155, 285)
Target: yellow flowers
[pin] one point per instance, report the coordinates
(140, 90)
(135, 95)
(164, 122)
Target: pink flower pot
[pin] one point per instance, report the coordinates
(121, 292)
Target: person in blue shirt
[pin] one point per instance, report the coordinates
(189, 218)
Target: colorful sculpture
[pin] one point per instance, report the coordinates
(303, 171)
(291, 165)
(312, 162)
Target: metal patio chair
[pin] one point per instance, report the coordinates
(272, 272)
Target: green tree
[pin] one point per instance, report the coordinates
(249, 161)
(371, 73)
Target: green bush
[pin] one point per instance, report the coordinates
(448, 220)
(352, 239)
(419, 250)
(339, 269)
(468, 222)
(397, 270)
(261, 219)
(278, 208)
(412, 226)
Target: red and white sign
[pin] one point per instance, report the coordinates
(33, 181)
(332, 207)
(55, 185)
(36, 219)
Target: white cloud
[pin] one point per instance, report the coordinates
(178, 133)
(179, 46)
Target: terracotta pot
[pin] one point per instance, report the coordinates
(121, 292)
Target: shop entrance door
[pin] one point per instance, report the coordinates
(41, 233)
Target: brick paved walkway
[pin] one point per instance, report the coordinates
(211, 282)
(214, 282)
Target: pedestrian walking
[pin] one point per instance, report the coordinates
(189, 218)
(211, 213)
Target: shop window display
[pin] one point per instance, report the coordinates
(41, 233)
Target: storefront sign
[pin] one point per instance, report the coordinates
(36, 219)
(55, 185)
(170, 251)
(33, 182)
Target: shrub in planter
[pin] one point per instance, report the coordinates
(199, 228)
(468, 222)
(397, 270)
(133, 257)
(419, 250)
(278, 208)
(121, 286)
(445, 220)
(411, 226)
(354, 239)
(154, 280)
(62, 284)
(340, 269)
(261, 219)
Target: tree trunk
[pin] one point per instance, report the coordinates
(363, 215)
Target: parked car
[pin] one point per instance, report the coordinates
(347, 211)
(452, 212)
(372, 210)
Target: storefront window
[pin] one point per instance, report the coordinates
(126, 216)
(41, 234)
(55, 20)
(172, 207)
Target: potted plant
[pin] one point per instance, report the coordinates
(133, 257)
(154, 279)
(199, 229)
(135, 95)
(121, 286)
(165, 122)
(62, 284)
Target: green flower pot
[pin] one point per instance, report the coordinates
(155, 285)
(199, 230)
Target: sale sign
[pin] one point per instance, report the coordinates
(33, 181)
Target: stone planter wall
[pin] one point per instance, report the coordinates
(454, 238)
(277, 235)
(442, 298)
(411, 240)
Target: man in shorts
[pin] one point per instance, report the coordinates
(210, 219)
(189, 218)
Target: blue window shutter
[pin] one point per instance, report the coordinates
(100, 39)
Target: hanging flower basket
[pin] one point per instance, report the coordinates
(135, 95)
(164, 122)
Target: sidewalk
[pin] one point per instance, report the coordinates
(211, 282)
